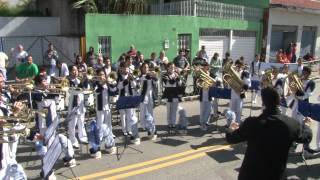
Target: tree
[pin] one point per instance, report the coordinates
(88, 6)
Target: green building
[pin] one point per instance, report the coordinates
(233, 26)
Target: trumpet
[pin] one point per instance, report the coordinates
(204, 80)
(267, 77)
(136, 73)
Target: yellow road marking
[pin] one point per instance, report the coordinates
(137, 165)
(165, 164)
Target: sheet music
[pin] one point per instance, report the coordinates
(51, 156)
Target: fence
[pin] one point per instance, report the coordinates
(207, 9)
(38, 45)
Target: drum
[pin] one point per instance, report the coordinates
(60, 102)
(88, 100)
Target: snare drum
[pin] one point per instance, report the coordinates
(88, 100)
(60, 102)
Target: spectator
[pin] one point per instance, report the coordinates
(281, 57)
(63, 69)
(199, 60)
(215, 65)
(51, 56)
(289, 52)
(269, 137)
(204, 53)
(188, 55)
(162, 60)
(81, 65)
(27, 70)
(107, 66)
(294, 51)
(300, 66)
(128, 62)
(226, 58)
(181, 61)
(152, 62)
(20, 55)
(138, 60)
(99, 64)
(3, 64)
(91, 57)
(263, 58)
(308, 57)
(132, 51)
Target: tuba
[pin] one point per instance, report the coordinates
(295, 83)
(232, 78)
(204, 80)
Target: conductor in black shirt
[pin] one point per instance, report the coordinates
(269, 137)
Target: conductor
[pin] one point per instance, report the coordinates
(269, 137)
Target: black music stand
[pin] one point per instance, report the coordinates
(127, 102)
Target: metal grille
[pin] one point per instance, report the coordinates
(184, 41)
(214, 32)
(244, 33)
(104, 45)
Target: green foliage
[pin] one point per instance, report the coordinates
(24, 8)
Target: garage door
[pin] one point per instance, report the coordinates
(215, 44)
(243, 46)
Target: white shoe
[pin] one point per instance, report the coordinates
(97, 155)
(112, 150)
(153, 137)
(136, 141)
(76, 145)
(72, 163)
(52, 176)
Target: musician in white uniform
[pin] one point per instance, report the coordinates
(148, 83)
(104, 123)
(127, 86)
(237, 99)
(76, 109)
(172, 80)
(255, 69)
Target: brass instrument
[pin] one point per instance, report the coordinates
(204, 80)
(295, 83)
(29, 85)
(267, 77)
(232, 78)
(63, 86)
(136, 73)
(112, 78)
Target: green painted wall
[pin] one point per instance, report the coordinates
(251, 3)
(148, 33)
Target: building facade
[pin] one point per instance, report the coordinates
(170, 26)
(297, 22)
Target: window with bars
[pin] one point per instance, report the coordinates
(104, 45)
(184, 41)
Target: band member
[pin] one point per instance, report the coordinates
(237, 99)
(308, 88)
(76, 109)
(172, 82)
(148, 81)
(255, 68)
(205, 101)
(280, 85)
(127, 86)
(102, 89)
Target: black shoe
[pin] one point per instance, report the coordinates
(311, 151)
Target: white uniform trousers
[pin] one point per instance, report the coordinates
(66, 144)
(107, 136)
(104, 117)
(236, 106)
(215, 105)
(205, 111)
(146, 116)
(172, 108)
(129, 121)
(318, 136)
(77, 120)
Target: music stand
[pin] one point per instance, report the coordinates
(219, 93)
(127, 102)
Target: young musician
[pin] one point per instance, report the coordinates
(127, 86)
(237, 99)
(308, 88)
(205, 101)
(255, 68)
(148, 82)
(103, 123)
(172, 82)
(76, 108)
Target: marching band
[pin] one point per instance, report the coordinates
(102, 85)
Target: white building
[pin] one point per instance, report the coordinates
(297, 22)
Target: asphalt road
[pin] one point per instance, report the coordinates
(197, 155)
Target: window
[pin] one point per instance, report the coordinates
(104, 45)
(184, 41)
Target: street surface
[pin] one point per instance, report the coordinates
(197, 155)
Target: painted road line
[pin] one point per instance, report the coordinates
(165, 164)
(146, 163)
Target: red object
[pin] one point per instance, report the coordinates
(298, 3)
